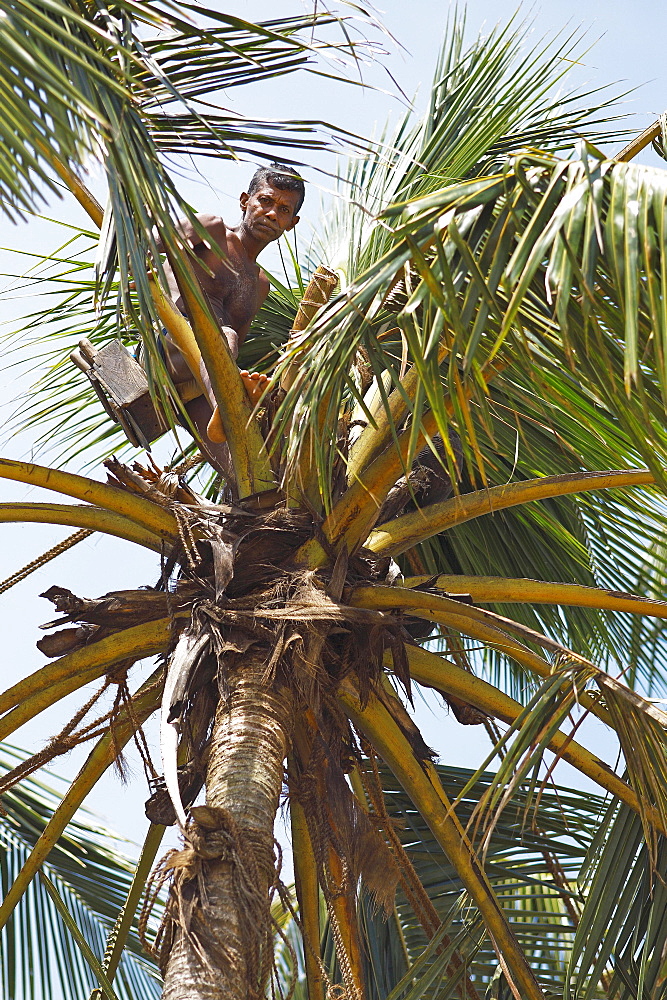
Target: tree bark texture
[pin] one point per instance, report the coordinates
(222, 945)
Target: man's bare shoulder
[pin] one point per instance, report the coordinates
(213, 224)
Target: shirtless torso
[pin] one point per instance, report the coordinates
(234, 284)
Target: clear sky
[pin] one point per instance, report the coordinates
(628, 52)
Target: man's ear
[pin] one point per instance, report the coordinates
(243, 200)
(292, 224)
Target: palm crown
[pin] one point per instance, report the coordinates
(496, 346)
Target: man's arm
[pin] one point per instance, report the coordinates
(213, 224)
(263, 289)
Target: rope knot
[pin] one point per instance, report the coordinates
(117, 672)
(213, 836)
(213, 833)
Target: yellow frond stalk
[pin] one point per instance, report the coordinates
(353, 517)
(373, 440)
(123, 925)
(396, 536)
(345, 915)
(179, 330)
(341, 905)
(101, 757)
(33, 694)
(149, 515)
(492, 589)
(250, 459)
(474, 623)
(355, 513)
(36, 703)
(93, 518)
(308, 896)
(88, 202)
(435, 671)
(422, 785)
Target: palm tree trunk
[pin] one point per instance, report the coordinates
(226, 951)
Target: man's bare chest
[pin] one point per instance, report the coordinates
(233, 287)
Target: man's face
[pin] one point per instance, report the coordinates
(269, 212)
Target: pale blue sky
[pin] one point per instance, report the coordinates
(629, 51)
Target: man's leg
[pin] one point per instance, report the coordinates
(255, 385)
(217, 454)
(211, 431)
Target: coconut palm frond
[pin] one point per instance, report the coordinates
(37, 44)
(622, 932)
(589, 537)
(441, 968)
(72, 69)
(237, 138)
(639, 725)
(92, 877)
(534, 857)
(233, 51)
(589, 543)
(563, 288)
(488, 99)
(465, 132)
(642, 732)
(481, 293)
(60, 403)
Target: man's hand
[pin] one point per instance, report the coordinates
(255, 385)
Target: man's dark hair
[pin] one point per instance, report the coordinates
(279, 176)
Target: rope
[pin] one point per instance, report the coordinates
(251, 862)
(65, 741)
(70, 737)
(61, 547)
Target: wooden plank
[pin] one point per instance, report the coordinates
(120, 374)
(121, 384)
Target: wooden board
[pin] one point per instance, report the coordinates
(121, 383)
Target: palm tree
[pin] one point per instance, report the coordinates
(496, 347)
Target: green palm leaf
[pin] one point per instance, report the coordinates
(540, 896)
(622, 927)
(39, 956)
(561, 910)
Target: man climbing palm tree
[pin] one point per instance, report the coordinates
(234, 285)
